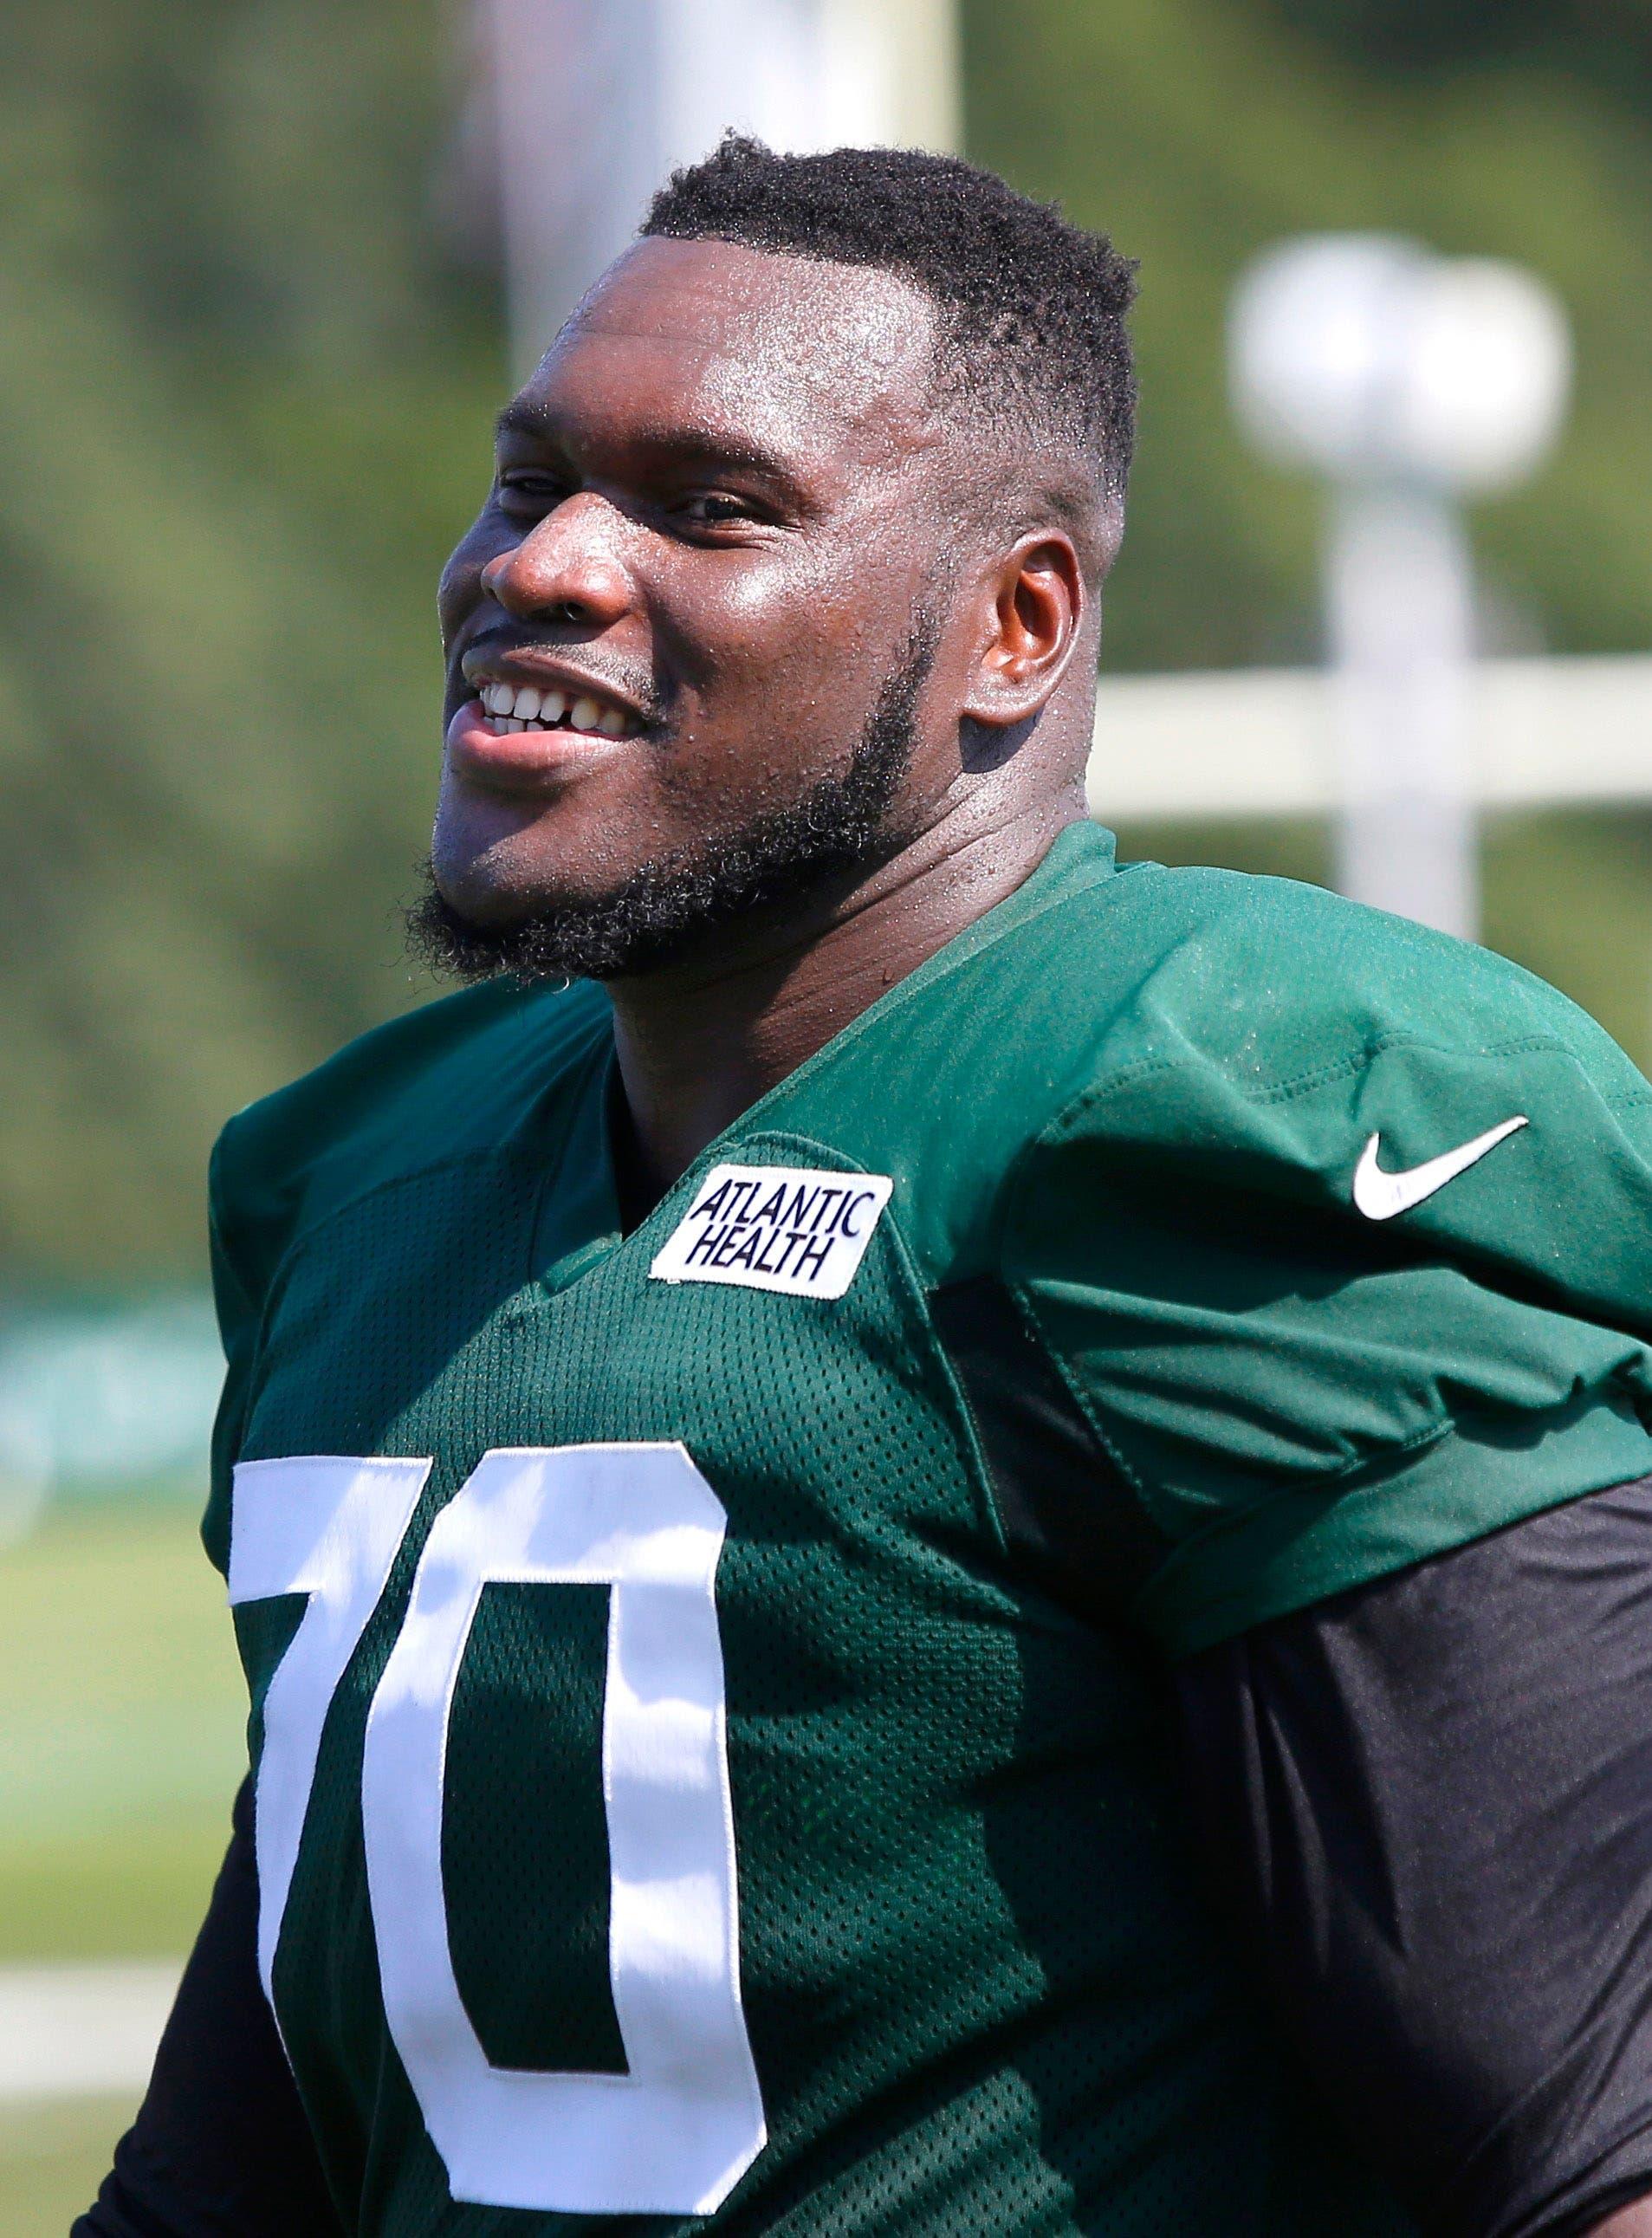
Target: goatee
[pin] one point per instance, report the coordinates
(666, 907)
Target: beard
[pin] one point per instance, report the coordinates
(665, 908)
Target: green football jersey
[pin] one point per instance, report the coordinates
(709, 1685)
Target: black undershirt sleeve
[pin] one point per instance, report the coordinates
(220, 2148)
(1430, 1801)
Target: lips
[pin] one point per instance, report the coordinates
(523, 754)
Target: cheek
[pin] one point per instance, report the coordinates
(781, 684)
(778, 639)
(459, 584)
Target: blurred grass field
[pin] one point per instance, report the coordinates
(120, 1735)
(122, 1709)
(52, 2158)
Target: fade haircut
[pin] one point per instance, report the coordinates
(1030, 309)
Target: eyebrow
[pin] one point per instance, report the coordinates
(520, 419)
(686, 440)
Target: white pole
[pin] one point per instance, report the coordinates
(573, 100)
(1405, 379)
(1399, 599)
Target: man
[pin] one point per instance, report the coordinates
(930, 1539)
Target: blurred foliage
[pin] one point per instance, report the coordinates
(245, 381)
(1602, 41)
(1197, 132)
(244, 404)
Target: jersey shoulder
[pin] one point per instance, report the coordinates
(1260, 1032)
(1195, 1017)
(1271, 981)
(1311, 1379)
(450, 1080)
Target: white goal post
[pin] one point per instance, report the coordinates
(1546, 732)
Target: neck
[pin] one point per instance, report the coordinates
(699, 1043)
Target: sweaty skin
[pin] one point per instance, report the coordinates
(725, 499)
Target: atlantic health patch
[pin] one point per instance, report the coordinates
(775, 1227)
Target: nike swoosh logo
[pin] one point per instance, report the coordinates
(1380, 1195)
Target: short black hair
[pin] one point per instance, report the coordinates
(1031, 307)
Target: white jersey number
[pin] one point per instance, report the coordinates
(674, 2133)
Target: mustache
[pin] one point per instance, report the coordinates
(631, 680)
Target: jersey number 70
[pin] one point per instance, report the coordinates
(674, 2134)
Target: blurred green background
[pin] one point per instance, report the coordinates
(250, 341)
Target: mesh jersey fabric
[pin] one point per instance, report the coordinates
(980, 1988)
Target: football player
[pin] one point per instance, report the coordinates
(930, 1538)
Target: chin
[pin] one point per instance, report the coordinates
(498, 866)
(497, 886)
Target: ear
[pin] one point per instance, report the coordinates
(1038, 603)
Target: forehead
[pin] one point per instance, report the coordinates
(804, 360)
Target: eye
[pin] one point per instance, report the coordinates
(531, 488)
(711, 509)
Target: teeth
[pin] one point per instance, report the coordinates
(529, 707)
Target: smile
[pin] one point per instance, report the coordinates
(511, 707)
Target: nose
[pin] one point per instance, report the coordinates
(564, 569)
